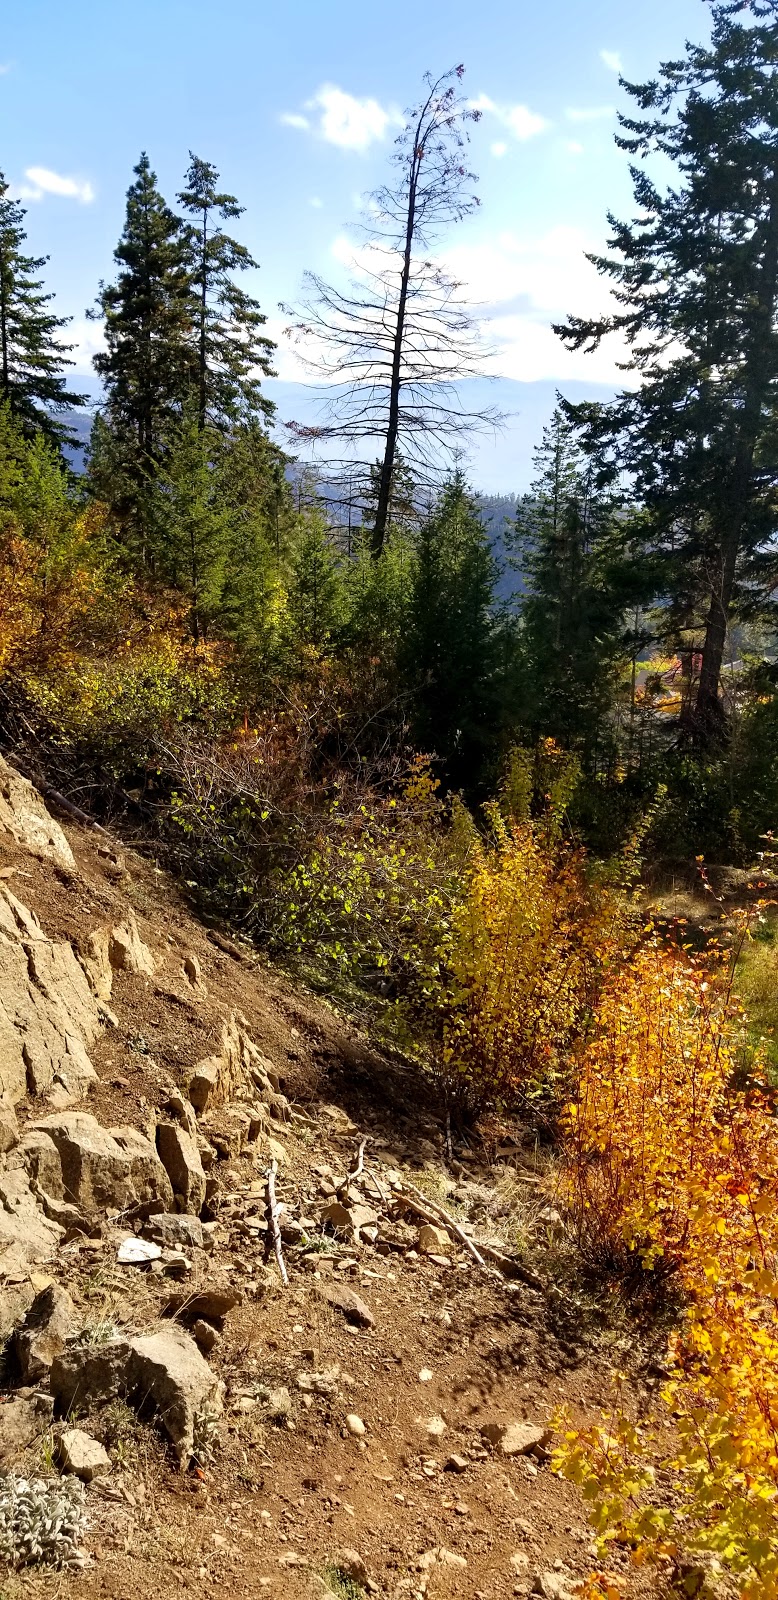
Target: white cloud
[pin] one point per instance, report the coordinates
(86, 338)
(523, 284)
(573, 147)
(589, 113)
(43, 181)
(343, 119)
(611, 59)
(523, 123)
(499, 149)
(316, 202)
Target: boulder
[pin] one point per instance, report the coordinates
(163, 1370)
(126, 950)
(43, 1334)
(175, 1232)
(94, 1167)
(21, 1422)
(515, 1438)
(180, 1157)
(26, 1234)
(211, 1300)
(23, 815)
(82, 1455)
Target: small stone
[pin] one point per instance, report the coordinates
(519, 1561)
(434, 1427)
(456, 1463)
(515, 1438)
(134, 1252)
(426, 1375)
(278, 1405)
(355, 1425)
(351, 1564)
(432, 1240)
(212, 1300)
(343, 1299)
(205, 1336)
(82, 1456)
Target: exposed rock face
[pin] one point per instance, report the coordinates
(26, 1234)
(180, 1157)
(24, 816)
(48, 1014)
(118, 949)
(238, 1072)
(48, 1325)
(72, 1158)
(163, 1369)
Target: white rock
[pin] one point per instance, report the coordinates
(80, 1454)
(355, 1425)
(134, 1252)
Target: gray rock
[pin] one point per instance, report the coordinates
(23, 815)
(82, 1455)
(211, 1300)
(162, 1369)
(278, 1405)
(174, 1231)
(343, 1299)
(515, 1438)
(47, 1326)
(180, 1157)
(94, 1167)
(206, 1337)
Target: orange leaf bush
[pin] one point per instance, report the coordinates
(672, 1160)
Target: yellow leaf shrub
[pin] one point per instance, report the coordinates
(672, 1145)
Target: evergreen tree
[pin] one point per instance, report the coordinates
(450, 657)
(32, 355)
(262, 525)
(315, 592)
(696, 285)
(192, 519)
(146, 366)
(229, 350)
(570, 539)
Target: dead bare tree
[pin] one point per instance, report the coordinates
(394, 344)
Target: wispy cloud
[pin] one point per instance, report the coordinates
(573, 147)
(316, 202)
(42, 181)
(343, 119)
(611, 59)
(5, 66)
(589, 113)
(522, 123)
(499, 149)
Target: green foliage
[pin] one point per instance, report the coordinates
(32, 355)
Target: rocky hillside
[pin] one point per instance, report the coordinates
(261, 1331)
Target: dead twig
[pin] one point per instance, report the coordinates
(430, 1211)
(272, 1212)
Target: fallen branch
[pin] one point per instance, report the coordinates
(430, 1211)
(272, 1212)
(359, 1168)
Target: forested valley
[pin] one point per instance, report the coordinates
(497, 779)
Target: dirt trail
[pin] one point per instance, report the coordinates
(292, 1490)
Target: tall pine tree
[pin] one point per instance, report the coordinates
(32, 353)
(146, 366)
(571, 544)
(230, 352)
(450, 656)
(696, 288)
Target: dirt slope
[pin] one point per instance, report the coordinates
(289, 1485)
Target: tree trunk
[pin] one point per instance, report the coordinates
(709, 722)
(390, 449)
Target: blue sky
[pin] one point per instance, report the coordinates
(296, 102)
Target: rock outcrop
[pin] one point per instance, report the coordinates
(48, 1013)
(71, 1157)
(23, 815)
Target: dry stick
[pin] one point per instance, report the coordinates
(432, 1212)
(360, 1163)
(272, 1212)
